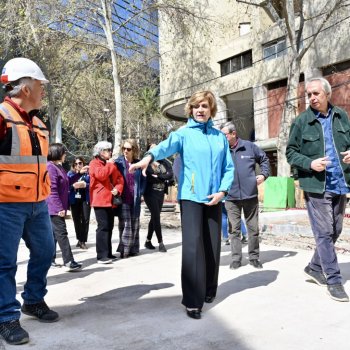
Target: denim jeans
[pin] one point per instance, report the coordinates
(30, 221)
(326, 213)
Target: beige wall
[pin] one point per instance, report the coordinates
(190, 63)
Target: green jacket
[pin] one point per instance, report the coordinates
(306, 143)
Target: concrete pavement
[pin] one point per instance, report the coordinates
(136, 303)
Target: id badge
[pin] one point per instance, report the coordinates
(78, 195)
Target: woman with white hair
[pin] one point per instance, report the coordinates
(105, 182)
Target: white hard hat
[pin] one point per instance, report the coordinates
(21, 67)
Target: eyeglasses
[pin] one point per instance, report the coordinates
(126, 149)
(107, 150)
(78, 163)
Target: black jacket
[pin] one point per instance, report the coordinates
(245, 156)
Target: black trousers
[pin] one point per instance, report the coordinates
(61, 237)
(81, 218)
(201, 237)
(154, 200)
(105, 224)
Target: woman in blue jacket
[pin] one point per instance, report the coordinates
(205, 178)
(79, 199)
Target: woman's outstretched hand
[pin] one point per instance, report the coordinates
(143, 164)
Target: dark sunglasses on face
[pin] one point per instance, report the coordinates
(78, 163)
(108, 150)
(127, 149)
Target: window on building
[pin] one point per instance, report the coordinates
(244, 28)
(236, 63)
(274, 49)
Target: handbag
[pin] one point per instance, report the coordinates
(117, 200)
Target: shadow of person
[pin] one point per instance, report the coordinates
(241, 283)
(67, 276)
(265, 256)
(125, 301)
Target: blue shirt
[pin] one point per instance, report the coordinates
(335, 181)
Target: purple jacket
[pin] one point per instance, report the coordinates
(58, 199)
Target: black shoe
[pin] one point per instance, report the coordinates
(104, 261)
(73, 266)
(337, 292)
(115, 257)
(13, 333)
(149, 245)
(83, 246)
(209, 299)
(196, 314)
(315, 276)
(256, 263)
(235, 265)
(162, 247)
(41, 311)
(227, 242)
(78, 244)
(244, 240)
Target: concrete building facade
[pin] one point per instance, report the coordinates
(237, 51)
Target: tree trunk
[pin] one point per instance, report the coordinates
(107, 27)
(290, 111)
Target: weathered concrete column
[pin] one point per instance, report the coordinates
(261, 122)
(222, 113)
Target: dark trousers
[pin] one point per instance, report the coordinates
(81, 218)
(250, 209)
(201, 243)
(61, 237)
(154, 200)
(105, 224)
(326, 213)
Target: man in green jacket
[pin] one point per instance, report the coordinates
(319, 148)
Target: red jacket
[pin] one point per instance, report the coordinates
(102, 176)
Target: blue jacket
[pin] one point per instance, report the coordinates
(207, 166)
(139, 185)
(245, 156)
(73, 178)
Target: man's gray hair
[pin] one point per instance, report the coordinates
(229, 125)
(15, 87)
(100, 146)
(325, 84)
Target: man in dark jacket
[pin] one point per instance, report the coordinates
(318, 147)
(243, 194)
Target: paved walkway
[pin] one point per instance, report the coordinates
(136, 304)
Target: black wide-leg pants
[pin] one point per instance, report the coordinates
(201, 238)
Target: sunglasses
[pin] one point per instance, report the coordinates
(78, 163)
(107, 150)
(126, 149)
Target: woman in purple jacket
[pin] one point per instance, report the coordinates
(58, 204)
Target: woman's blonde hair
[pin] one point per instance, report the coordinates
(134, 146)
(199, 96)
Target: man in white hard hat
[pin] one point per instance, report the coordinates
(24, 185)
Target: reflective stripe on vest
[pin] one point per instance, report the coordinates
(23, 175)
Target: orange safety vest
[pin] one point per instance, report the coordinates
(23, 175)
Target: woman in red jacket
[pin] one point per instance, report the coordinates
(105, 182)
